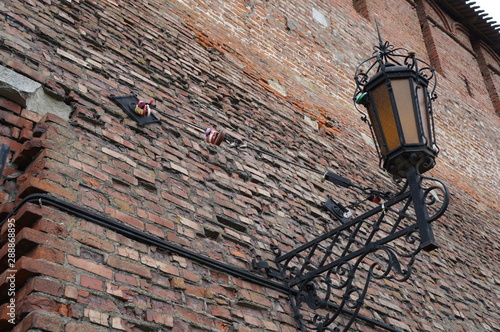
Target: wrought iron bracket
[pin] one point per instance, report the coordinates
(328, 277)
(270, 272)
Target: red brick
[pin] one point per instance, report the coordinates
(177, 201)
(221, 312)
(158, 317)
(15, 120)
(197, 291)
(155, 231)
(50, 117)
(31, 116)
(93, 228)
(49, 240)
(71, 292)
(27, 267)
(40, 285)
(13, 144)
(118, 139)
(191, 276)
(190, 315)
(148, 176)
(96, 301)
(10, 105)
(89, 282)
(118, 291)
(36, 302)
(51, 227)
(35, 185)
(92, 240)
(90, 266)
(127, 266)
(121, 175)
(79, 327)
(25, 135)
(159, 220)
(245, 45)
(47, 254)
(25, 216)
(95, 172)
(119, 155)
(123, 217)
(40, 321)
(22, 68)
(125, 241)
(126, 278)
(29, 150)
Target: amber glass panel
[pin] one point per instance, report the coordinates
(378, 134)
(424, 115)
(404, 102)
(389, 129)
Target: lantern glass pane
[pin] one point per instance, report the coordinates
(424, 114)
(404, 102)
(378, 134)
(385, 113)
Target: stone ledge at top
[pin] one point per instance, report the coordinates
(30, 94)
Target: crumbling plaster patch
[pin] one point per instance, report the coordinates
(30, 94)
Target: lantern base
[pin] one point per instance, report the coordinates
(398, 162)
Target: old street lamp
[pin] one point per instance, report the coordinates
(399, 108)
(328, 277)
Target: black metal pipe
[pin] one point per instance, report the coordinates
(153, 240)
(145, 238)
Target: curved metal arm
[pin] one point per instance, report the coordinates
(338, 266)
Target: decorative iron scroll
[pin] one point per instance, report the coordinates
(330, 275)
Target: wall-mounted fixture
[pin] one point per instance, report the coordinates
(330, 276)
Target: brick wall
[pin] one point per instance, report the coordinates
(256, 69)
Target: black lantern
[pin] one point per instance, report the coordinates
(397, 90)
(399, 108)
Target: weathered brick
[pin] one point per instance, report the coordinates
(36, 302)
(128, 266)
(29, 150)
(90, 266)
(89, 282)
(27, 267)
(35, 185)
(119, 155)
(32, 116)
(126, 278)
(47, 254)
(126, 218)
(10, 105)
(157, 317)
(77, 327)
(41, 320)
(40, 285)
(92, 240)
(97, 317)
(95, 301)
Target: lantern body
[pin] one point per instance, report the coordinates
(399, 109)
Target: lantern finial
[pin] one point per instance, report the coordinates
(381, 44)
